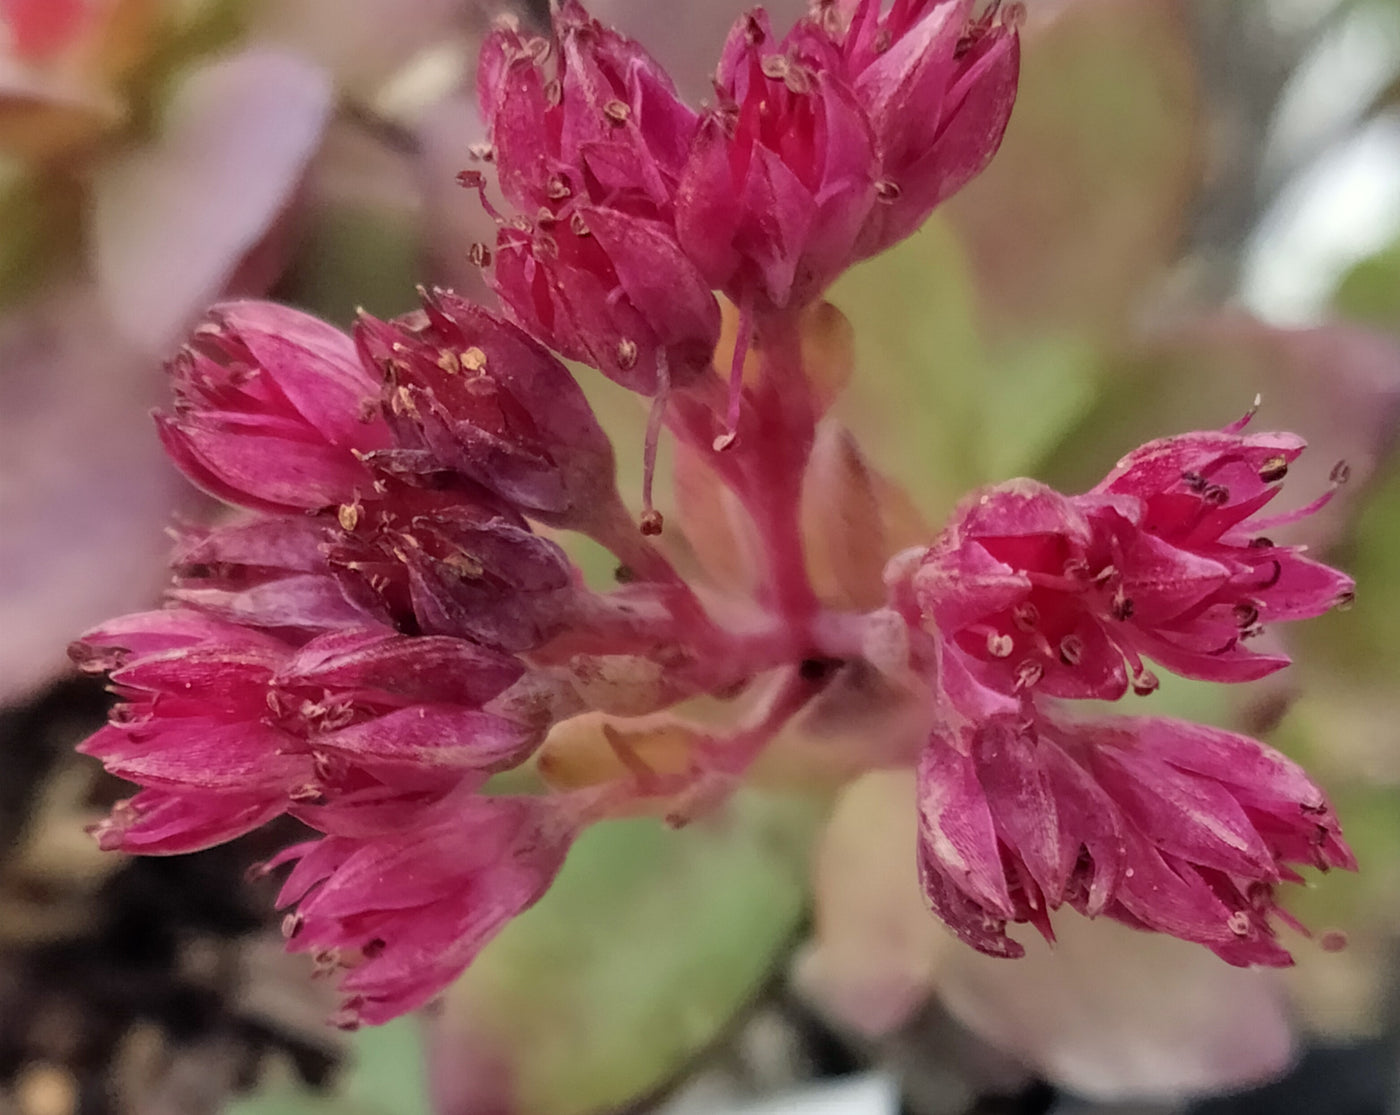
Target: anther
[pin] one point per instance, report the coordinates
(291, 925)
(1145, 682)
(651, 523)
(1238, 923)
(1261, 543)
(1275, 468)
(1122, 607)
(1340, 474)
(887, 191)
(464, 565)
(774, 66)
(1217, 495)
(1071, 650)
(1344, 602)
(577, 225)
(553, 94)
(1244, 419)
(1000, 646)
(1246, 613)
(558, 187)
(348, 515)
(617, 112)
(481, 152)
(473, 359)
(1194, 480)
(1028, 673)
(626, 354)
(798, 80)
(1025, 615)
(346, 1020)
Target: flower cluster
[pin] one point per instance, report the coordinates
(382, 627)
(1030, 595)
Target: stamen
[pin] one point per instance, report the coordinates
(475, 180)
(1071, 650)
(736, 379)
(1246, 613)
(1275, 468)
(1028, 673)
(1000, 646)
(1145, 682)
(1243, 420)
(651, 521)
(1025, 615)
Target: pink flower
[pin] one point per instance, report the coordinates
(612, 290)
(1200, 494)
(40, 28)
(445, 558)
(589, 141)
(838, 140)
(1164, 558)
(584, 115)
(782, 175)
(1015, 587)
(1178, 828)
(937, 87)
(406, 913)
(227, 727)
(266, 572)
(485, 399)
(271, 406)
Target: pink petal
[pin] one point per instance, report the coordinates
(956, 831)
(172, 220)
(1116, 1014)
(85, 491)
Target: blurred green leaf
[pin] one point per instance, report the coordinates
(385, 1078)
(42, 220)
(1085, 204)
(354, 256)
(920, 366)
(933, 403)
(1370, 291)
(1359, 645)
(642, 953)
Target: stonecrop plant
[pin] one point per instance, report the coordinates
(384, 627)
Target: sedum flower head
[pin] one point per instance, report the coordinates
(383, 627)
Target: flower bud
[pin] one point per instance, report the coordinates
(271, 406)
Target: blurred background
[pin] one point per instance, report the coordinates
(1196, 202)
